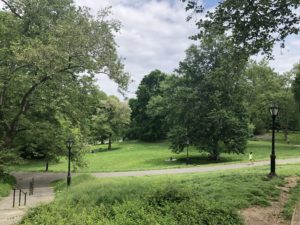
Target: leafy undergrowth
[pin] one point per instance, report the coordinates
(212, 198)
(6, 183)
(290, 205)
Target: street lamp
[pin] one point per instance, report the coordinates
(69, 144)
(274, 111)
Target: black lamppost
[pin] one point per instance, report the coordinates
(274, 111)
(69, 146)
(187, 150)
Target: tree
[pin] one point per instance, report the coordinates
(145, 125)
(47, 48)
(251, 26)
(264, 86)
(112, 118)
(205, 100)
(296, 83)
(98, 132)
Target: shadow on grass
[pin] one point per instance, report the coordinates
(193, 160)
(104, 149)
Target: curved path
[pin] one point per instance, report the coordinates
(43, 193)
(196, 169)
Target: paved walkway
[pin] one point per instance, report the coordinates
(43, 193)
(193, 169)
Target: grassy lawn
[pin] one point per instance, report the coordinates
(211, 198)
(144, 156)
(6, 183)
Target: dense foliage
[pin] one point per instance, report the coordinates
(263, 86)
(6, 183)
(111, 119)
(204, 103)
(188, 199)
(145, 125)
(296, 84)
(47, 65)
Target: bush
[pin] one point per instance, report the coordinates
(188, 199)
(6, 183)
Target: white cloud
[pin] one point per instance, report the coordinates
(285, 58)
(154, 35)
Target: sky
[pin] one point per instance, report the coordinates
(154, 35)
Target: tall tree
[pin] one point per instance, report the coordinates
(145, 125)
(47, 47)
(206, 100)
(296, 83)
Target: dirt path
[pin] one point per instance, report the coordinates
(42, 194)
(296, 215)
(258, 215)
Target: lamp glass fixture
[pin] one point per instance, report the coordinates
(69, 143)
(274, 109)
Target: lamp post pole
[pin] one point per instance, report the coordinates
(69, 167)
(273, 156)
(273, 111)
(69, 146)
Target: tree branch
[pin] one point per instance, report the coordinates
(23, 108)
(12, 9)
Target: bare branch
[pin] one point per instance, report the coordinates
(12, 8)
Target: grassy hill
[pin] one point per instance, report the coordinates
(212, 198)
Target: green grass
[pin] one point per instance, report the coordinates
(144, 156)
(6, 183)
(211, 198)
(290, 205)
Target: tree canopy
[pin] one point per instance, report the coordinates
(251, 26)
(146, 125)
(205, 101)
(49, 54)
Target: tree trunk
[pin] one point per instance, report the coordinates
(47, 166)
(286, 133)
(102, 140)
(215, 155)
(7, 139)
(109, 142)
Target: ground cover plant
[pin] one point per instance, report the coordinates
(211, 198)
(290, 205)
(144, 156)
(6, 183)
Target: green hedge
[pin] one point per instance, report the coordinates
(6, 183)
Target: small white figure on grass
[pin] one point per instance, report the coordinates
(251, 158)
